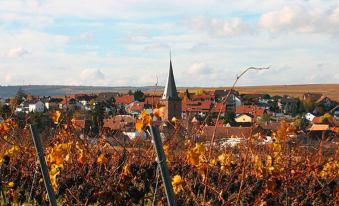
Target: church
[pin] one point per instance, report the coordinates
(170, 98)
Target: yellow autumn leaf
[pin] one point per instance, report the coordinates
(126, 170)
(177, 183)
(138, 125)
(102, 159)
(11, 184)
(195, 155)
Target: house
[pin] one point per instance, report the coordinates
(123, 100)
(309, 116)
(319, 131)
(252, 98)
(52, 103)
(120, 122)
(69, 103)
(84, 99)
(203, 97)
(233, 102)
(108, 97)
(36, 106)
(31, 106)
(201, 108)
(323, 104)
(311, 97)
(151, 101)
(23, 107)
(316, 120)
(256, 111)
(223, 132)
(218, 107)
(288, 105)
(244, 118)
(220, 94)
(135, 108)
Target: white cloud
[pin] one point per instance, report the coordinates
(16, 52)
(199, 69)
(302, 18)
(31, 40)
(92, 74)
(218, 26)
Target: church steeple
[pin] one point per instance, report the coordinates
(170, 91)
(170, 98)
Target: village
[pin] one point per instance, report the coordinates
(232, 114)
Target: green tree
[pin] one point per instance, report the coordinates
(5, 111)
(265, 118)
(266, 96)
(20, 96)
(229, 117)
(98, 116)
(139, 96)
(308, 105)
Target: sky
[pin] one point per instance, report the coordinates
(127, 43)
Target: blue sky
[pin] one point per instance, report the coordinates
(119, 43)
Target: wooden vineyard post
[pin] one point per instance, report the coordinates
(43, 166)
(163, 166)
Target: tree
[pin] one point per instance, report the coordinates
(5, 111)
(139, 96)
(98, 116)
(229, 117)
(265, 118)
(308, 105)
(266, 96)
(20, 96)
(187, 95)
(327, 119)
(130, 92)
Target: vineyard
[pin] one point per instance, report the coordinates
(116, 171)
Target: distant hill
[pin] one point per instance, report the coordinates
(330, 90)
(51, 90)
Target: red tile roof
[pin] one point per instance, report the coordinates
(225, 132)
(319, 127)
(152, 100)
(118, 122)
(136, 106)
(203, 97)
(196, 106)
(316, 120)
(250, 109)
(216, 108)
(125, 99)
(273, 126)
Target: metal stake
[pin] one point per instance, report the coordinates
(162, 165)
(43, 166)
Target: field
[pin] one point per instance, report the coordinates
(329, 90)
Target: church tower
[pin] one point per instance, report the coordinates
(170, 98)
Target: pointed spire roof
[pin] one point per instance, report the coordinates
(170, 91)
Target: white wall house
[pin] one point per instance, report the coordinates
(309, 116)
(38, 106)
